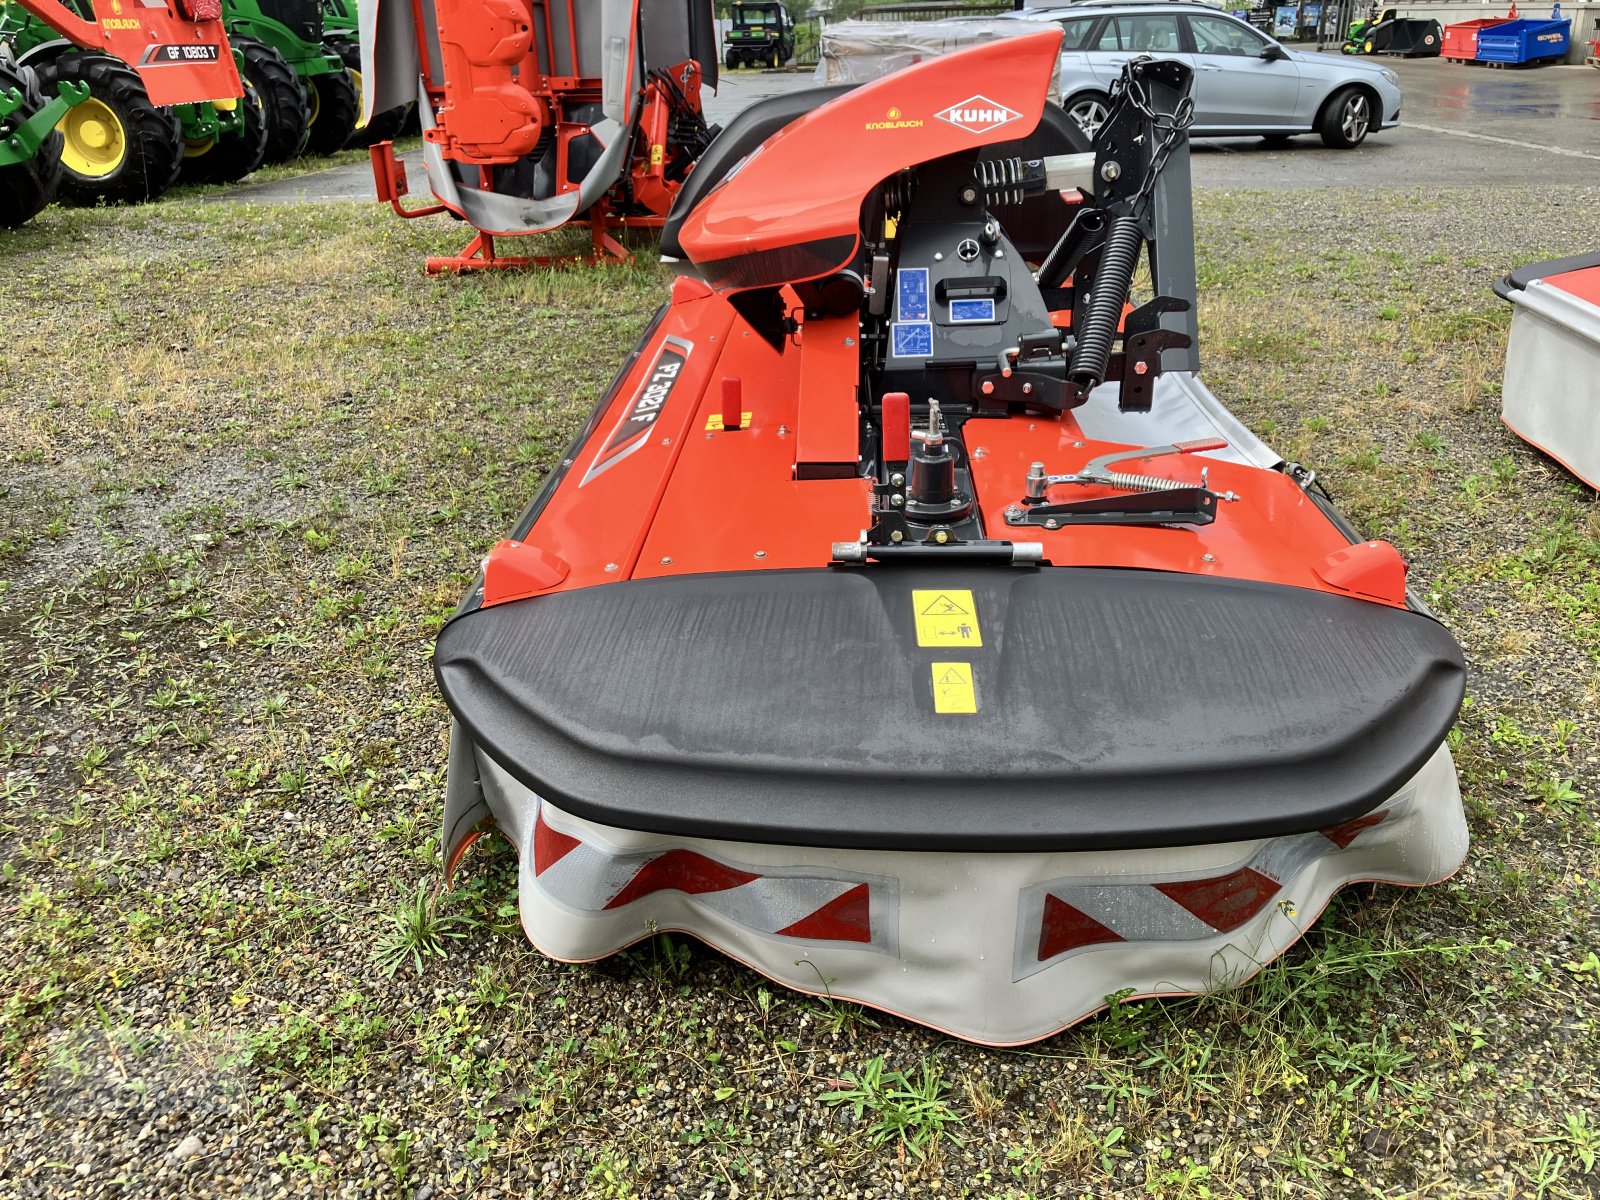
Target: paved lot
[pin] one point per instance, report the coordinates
(1461, 127)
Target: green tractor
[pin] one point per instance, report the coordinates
(310, 98)
(341, 32)
(761, 36)
(119, 144)
(30, 147)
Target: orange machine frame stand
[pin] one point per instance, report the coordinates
(389, 178)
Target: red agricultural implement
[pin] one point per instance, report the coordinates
(539, 115)
(179, 49)
(162, 93)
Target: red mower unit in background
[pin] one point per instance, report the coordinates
(537, 115)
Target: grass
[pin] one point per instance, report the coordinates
(248, 459)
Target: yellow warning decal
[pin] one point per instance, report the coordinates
(658, 155)
(952, 688)
(714, 422)
(946, 618)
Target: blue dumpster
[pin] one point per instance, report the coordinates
(1526, 41)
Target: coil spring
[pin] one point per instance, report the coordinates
(1001, 179)
(1112, 282)
(898, 190)
(1137, 483)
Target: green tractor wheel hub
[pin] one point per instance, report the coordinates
(24, 141)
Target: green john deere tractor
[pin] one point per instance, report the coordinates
(310, 98)
(116, 144)
(30, 147)
(761, 35)
(341, 33)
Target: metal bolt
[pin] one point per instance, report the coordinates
(941, 537)
(1112, 170)
(783, 431)
(1141, 368)
(666, 441)
(988, 387)
(1079, 445)
(897, 500)
(980, 452)
(938, 256)
(897, 479)
(1027, 389)
(666, 560)
(1013, 513)
(611, 566)
(1208, 558)
(897, 536)
(1052, 523)
(849, 341)
(761, 553)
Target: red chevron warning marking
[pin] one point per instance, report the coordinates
(817, 906)
(680, 871)
(1342, 835)
(1066, 928)
(1227, 901)
(1077, 914)
(549, 846)
(847, 919)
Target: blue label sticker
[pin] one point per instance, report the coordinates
(971, 311)
(913, 340)
(911, 302)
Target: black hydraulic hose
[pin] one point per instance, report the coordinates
(1113, 280)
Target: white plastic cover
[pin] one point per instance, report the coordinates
(996, 948)
(858, 51)
(1551, 396)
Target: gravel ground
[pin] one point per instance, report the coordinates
(248, 458)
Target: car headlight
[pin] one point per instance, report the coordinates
(1389, 75)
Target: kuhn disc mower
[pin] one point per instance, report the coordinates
(910, 623)
(537, 115)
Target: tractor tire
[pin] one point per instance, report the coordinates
(730, 60)
(1346, 118)
(335, 108)
(117, 146)
(384, 126)
(282, 98)
(230, 158)
(26, 187)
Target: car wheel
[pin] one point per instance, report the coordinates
(1346, 119)
(1089, 111)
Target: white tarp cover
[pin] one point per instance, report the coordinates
(1551, 396)
(858, 51)
(997, 948)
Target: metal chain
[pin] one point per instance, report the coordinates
(1132, 86)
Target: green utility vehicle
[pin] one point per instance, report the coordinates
(761, 36)
(309, 96)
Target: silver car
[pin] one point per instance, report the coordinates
(1244, 82)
